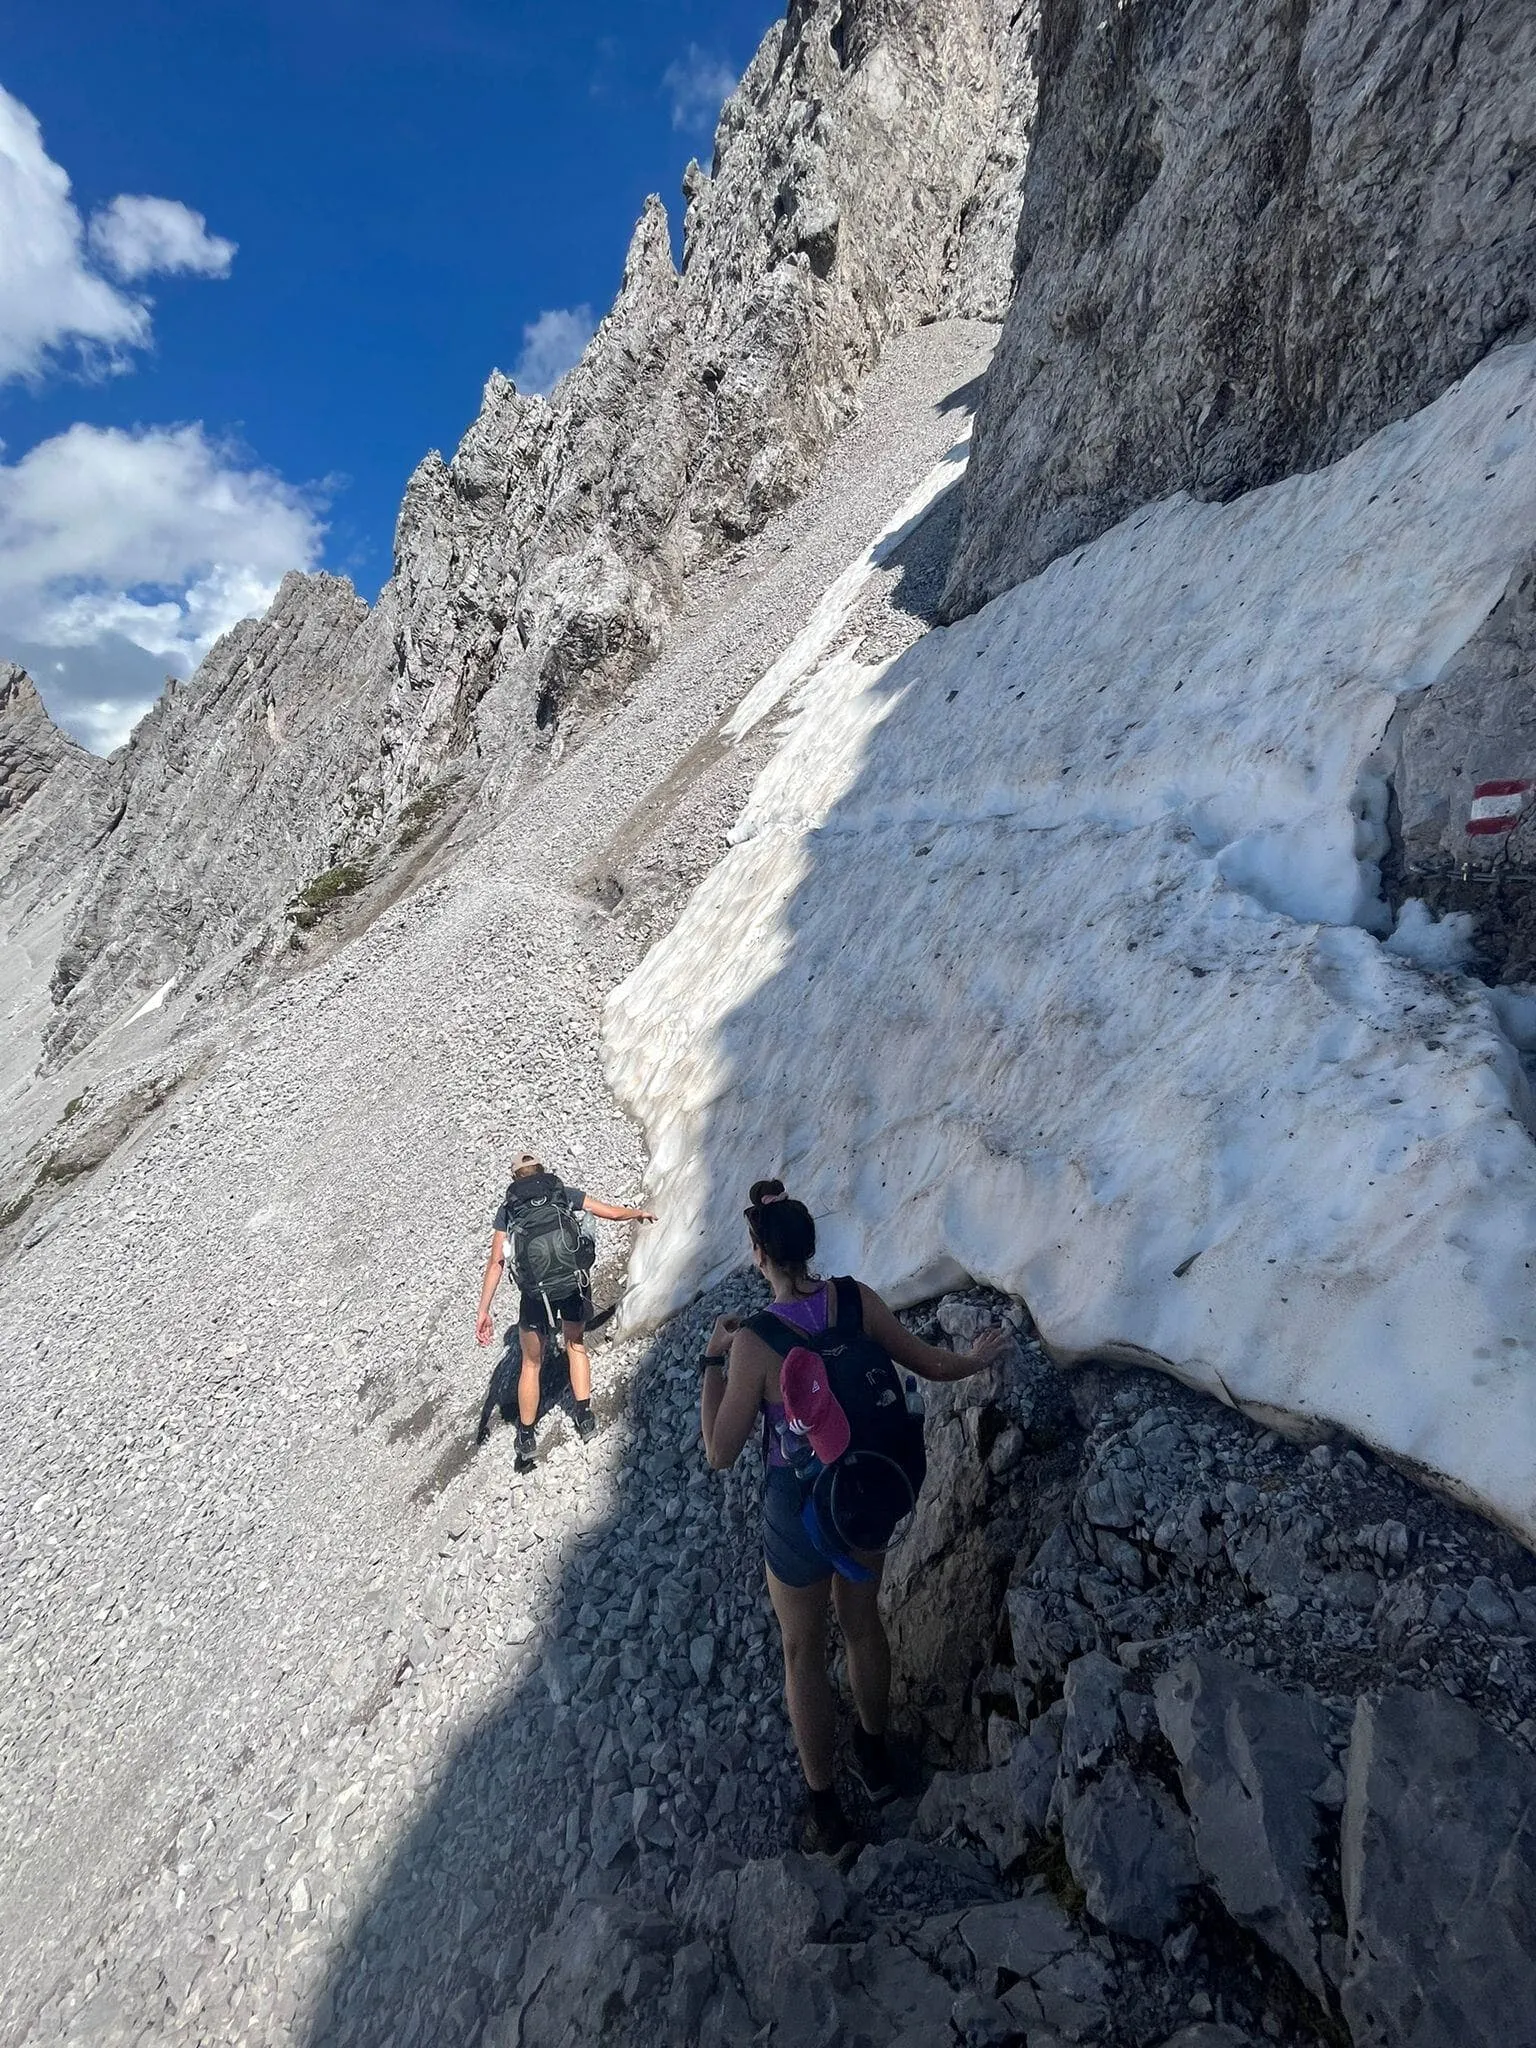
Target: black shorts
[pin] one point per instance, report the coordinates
(575, 1308)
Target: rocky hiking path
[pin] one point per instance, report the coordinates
(1239, 1749)
(258, 1598)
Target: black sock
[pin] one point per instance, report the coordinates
(867, 1745)
(825, 1806)
(584, 1407)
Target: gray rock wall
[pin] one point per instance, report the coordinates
(55, 798)
(33, 751)
(274, 763)
(1253, 232)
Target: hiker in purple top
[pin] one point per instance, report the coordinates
(814, 1374)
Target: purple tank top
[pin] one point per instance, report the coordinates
(809, 1316)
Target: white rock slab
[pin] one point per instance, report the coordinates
(1049, 953)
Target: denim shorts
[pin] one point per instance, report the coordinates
(790, 1553)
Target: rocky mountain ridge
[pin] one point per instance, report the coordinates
(865, 178)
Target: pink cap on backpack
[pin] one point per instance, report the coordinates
(811, 1408)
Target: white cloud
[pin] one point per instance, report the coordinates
(552, 344)
(698, 84)
(99, 693)
(135, 237)
(47, 296)
(52, 301)
(159, 536)
(102, 724)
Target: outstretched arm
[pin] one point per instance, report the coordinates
(928, 1361)
(612, 1212)
(485, 1329)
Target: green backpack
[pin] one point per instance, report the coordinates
(553, 1246)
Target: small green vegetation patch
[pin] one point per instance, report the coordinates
(422, 811)
(64, 1167)
(321, 893)
(14, 1211)
(72, 1108)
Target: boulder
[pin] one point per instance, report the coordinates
(1129, 1848)
(1251, 1757)
(1438, 1858)
(693, 1978)
(1020, 1937)
(1002, 1809)
(781, 1905)
(904, 1988)
(574, 1983)
(1094, 1724)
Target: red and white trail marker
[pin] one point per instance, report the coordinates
(1496, 807)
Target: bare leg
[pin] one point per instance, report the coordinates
(802, 1617)
(581, 1365)
(532, 1342)
(869, 1650)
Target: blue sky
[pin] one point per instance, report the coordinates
(407, 189)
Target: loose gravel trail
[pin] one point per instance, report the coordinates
(263, 1612)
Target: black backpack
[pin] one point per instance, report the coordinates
(552, 1251)
(856, 1502)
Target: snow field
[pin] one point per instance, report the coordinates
(1051, 952)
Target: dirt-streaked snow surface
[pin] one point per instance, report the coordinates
(1052, 950)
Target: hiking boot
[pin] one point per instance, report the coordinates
(825, 1830)
(586, 1422)
(871, 1767)
(525, 1448)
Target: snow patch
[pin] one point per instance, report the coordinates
(1443, 944)
(1515, 1009)
(1039, 955)
(155, 1001)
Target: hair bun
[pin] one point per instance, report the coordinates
(765, 1191)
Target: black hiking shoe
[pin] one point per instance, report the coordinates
(525, 1449)
(825, 1830)
(586, 1422)
(871, 1767)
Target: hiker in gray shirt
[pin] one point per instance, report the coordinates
(552, 1259)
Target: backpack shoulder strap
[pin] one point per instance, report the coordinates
(850, 1306)
(774, 1332)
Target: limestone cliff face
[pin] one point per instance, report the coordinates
(865, 178)
(1253, 233)
(57, 805)
(272, 764)
(55, 801)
